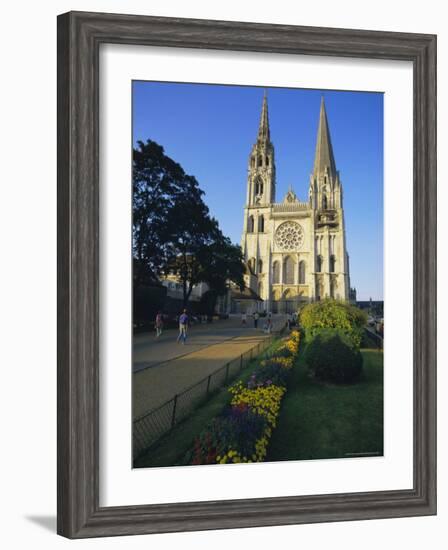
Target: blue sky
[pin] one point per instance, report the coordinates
(210, 129)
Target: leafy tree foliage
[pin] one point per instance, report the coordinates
(336, 314)
(219, 263)
(201, 253)
(173, 231)
(157, 180)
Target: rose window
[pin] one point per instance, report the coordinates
(289, 236)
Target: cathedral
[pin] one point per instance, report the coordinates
(295, 251)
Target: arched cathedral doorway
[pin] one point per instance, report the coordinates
(289, 302)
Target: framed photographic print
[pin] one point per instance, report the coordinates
(246, 274)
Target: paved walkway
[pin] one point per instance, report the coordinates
(149, 351)
(156, 384)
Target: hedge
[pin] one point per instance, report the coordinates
(334, 314)
(332, 357)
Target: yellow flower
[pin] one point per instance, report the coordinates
(264, 401)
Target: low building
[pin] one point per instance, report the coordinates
(175, 289)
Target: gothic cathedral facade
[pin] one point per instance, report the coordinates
(295, 251)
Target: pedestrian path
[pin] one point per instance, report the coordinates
(156, 385)
(149, 351)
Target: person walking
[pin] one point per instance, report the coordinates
(269, 323)
(244, 319)
(183, 326)
(294, 318)
(159, 324)
(256, 317)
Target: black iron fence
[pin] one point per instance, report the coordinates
(151, 426)
(375, 337)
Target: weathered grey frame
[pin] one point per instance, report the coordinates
(79, 38)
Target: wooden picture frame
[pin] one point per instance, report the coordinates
(79, 38)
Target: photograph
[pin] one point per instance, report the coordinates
(246, 275)
(257, 274)
(222, 254)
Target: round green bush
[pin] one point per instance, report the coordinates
(332, 357)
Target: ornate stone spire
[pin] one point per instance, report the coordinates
(324, 157)
(261, 176)
(263, 130)
(290, 195)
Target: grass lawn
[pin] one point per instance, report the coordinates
(171, 449)
(330, 421)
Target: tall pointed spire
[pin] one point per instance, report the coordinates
(324, 151)
(261, 176)
(263, 130)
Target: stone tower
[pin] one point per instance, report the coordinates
(260, 196)
(261, 179)
(295, 251)
(325, 195)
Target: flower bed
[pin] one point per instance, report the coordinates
(242, 431)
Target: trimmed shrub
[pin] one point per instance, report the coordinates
(334, 314)
(332, 357)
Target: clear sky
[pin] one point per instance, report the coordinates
(210, 129)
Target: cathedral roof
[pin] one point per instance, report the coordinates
(324, 157)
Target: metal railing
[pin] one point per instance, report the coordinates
(377, 338)
(152, 425)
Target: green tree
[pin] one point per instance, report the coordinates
(157, 184)
(335, 314)
(173, 231)
(208, 258)
(190, 232)
(221, 263)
